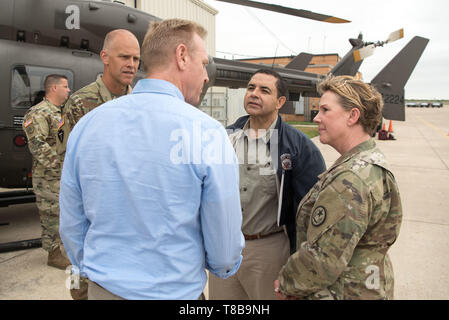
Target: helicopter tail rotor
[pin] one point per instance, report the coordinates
(369, 47)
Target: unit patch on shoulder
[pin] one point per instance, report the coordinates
(318, 216)
(27, 123)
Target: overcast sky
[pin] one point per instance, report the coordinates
(248, 32)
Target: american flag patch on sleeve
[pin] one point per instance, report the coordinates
(27, 123)
(61, 123)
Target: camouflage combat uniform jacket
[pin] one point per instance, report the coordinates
(80, 103)
(41, 124)
(345, 226)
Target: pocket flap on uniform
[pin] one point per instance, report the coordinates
(326, 212)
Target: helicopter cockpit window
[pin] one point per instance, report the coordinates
(27, 85)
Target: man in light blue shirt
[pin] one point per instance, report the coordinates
(150, 186)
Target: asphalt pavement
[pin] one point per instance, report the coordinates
(419, 159)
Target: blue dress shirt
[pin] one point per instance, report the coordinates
(149, 196)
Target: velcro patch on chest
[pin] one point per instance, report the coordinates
(89, 105)
(327, 211)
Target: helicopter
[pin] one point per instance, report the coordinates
(68, 35)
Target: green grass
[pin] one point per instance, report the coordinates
(309, 131)
(307, 127)
(309, 123)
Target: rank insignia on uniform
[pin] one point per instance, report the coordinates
(286, 161)
(27, 123)
(318, 216)
(61, 123)
(61, 135)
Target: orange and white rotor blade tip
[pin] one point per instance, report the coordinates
(399, 34)
(363, 53)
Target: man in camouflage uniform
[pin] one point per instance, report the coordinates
(41, 124)
(352, 215)
(120, 56)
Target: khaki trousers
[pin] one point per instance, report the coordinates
(262, 261)
(96, 292)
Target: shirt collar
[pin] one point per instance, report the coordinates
(105, 94)
(51, 104)
(364, 146)
(266, 137)
(157, 86)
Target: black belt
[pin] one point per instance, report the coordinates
(260, 236)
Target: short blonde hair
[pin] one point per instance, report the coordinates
(355, 93)
(162, 39)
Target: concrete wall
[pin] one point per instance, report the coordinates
(235, 104)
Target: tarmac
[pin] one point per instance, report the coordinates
(419, 159)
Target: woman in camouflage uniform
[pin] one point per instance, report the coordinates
(352, 215)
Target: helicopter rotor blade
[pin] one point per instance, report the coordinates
(286, 10)
(364, 52)
(399, 34)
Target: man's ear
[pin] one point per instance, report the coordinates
(281, 102)
(181, 55)
(104, 57)
(354, 116)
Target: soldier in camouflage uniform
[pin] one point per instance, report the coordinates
(352, 216)
(41, 124)
(120, 56)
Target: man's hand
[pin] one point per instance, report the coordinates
(280, 295)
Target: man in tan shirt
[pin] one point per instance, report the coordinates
(278, 165)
